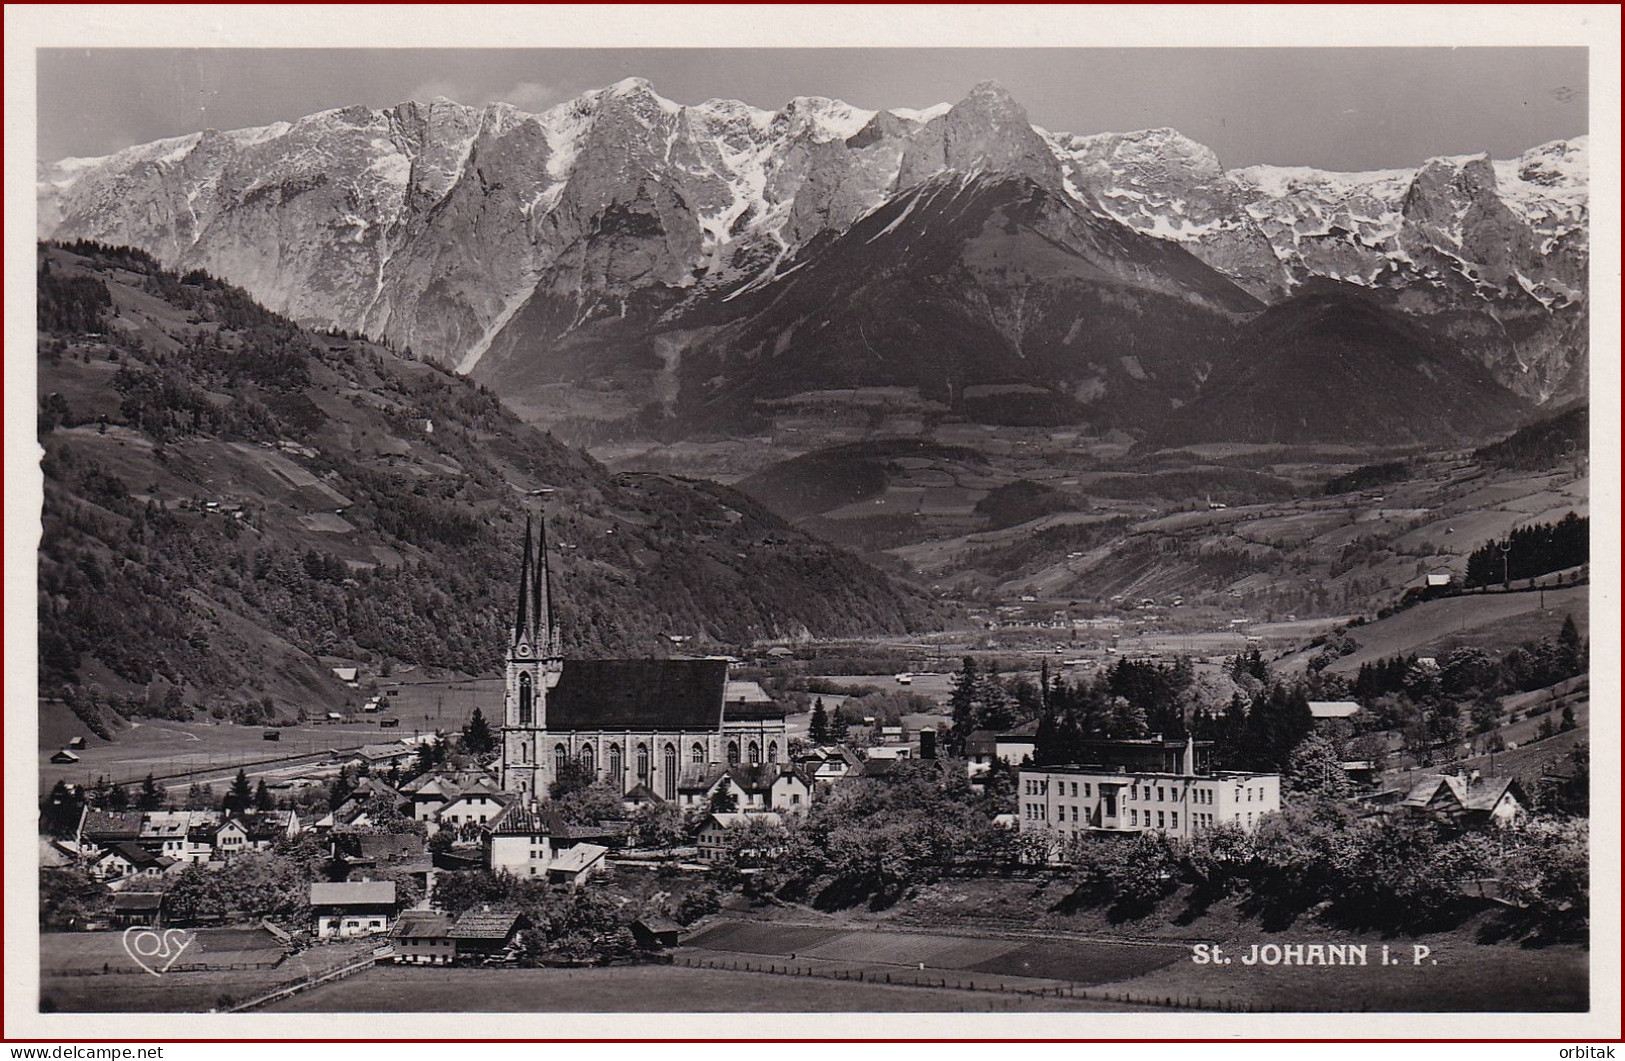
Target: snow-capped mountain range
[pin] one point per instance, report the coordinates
(435, 225)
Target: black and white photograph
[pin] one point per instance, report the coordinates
(1064, 530)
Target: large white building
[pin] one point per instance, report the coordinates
(1142, 786)
(628, 722)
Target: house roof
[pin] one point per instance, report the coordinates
(485, 924)
(1475, 794)
(385, 751)
(649, 694)
(737, 820)
(519, 819)
(1025, 731)
(111, 825)
(577, 858)
(659, 924)
(422, 924)
(137, 902)
(1333, 708)
(138, 856)
(747, 693)
(352, 893)
(641, 793)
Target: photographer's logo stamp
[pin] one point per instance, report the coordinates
(156, 951)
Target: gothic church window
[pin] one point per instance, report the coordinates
(589, 761)
(615, 770)
(733, 753)
(559, 757)
(643, 763)
(669, 765)
(772, 751)
(755, 753)
(697, 755)
(524, 700)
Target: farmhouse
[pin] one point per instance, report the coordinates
(486, 933)
(475, 805)
(1468, 799)
(656, 932)
(764, 787)
(352, 908)
(126, 861)
(624, 721)
(713, 838)
(423, 937)
(535, 841)
(137, 908)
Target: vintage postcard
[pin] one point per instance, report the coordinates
(1033, 522)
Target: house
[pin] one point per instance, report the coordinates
(713, 838)
(1438, 578)
(137, 908)
(423, 937)
(77, 743)
(762, 787)
(984, 747)
(656, 933)
(64, 758)
(102, 829)
(640, 795)
(475, 805)
(126, 861)
(830, 766)
(380, 757)
(1469, 799)
(576, 864)
(882, 751)
(528, 840)
(225, 838)
(344, 674)
(1142, 786)
(347, 909)
(182, 835)
(486, 933)
(268, 828)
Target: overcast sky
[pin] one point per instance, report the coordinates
(1334, 108)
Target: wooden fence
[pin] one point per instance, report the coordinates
(992, 984)
(289, 990)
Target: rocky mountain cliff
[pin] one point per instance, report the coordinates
(472, 233)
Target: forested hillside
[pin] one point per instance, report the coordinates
(229, 497)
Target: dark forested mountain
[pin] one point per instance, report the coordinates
(1333, 364)
(229, 496)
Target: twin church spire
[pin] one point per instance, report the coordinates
(534, 627)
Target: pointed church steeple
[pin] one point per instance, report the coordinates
(523, 633)
(548, 642)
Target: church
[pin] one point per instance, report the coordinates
(630, 722)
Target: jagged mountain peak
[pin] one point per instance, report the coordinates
(432, 223)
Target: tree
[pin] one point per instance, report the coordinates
(838, 727)
(1570, 649)
(118, 798)
(723, 798)
(477, 738)
(1314, 768)
(241, 795)
(339, 791)
(263, 800)
(1127, 720)
(152, 794)
(574, 777)
(962, 702)
(818, 726)
(61, 810)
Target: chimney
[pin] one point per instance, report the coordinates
(1187, 758)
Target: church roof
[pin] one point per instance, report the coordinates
(642, 694)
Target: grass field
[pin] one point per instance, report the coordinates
(638, 989)
(72, 979)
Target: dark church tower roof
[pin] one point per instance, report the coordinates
(534, 623)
